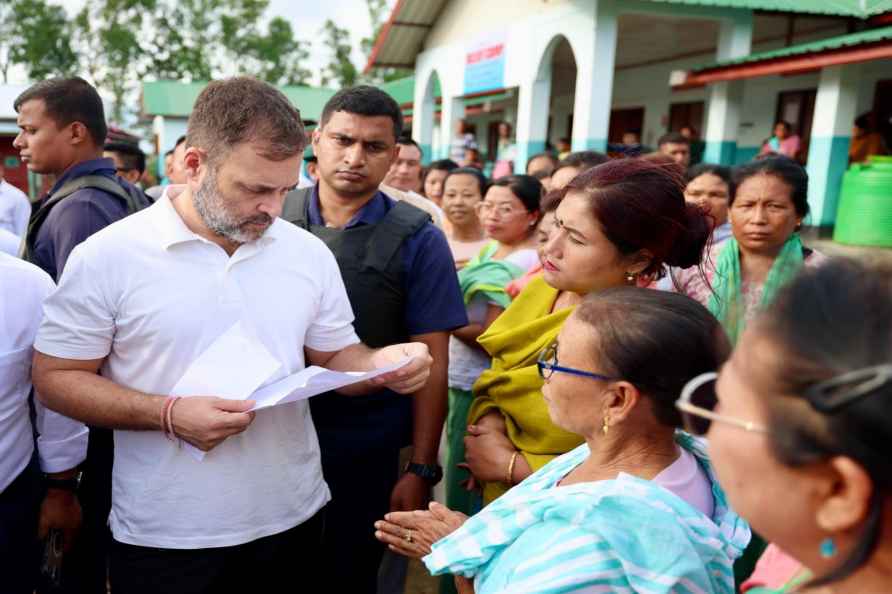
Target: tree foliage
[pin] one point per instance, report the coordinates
(185, 41)
(35, 35)
(117, 44)
(340, 71)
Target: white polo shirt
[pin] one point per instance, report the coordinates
(15, 210)
(61, 442)
(149, 295)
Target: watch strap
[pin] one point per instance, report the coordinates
(429, 472)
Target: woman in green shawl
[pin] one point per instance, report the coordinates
(769, 200)
(509, 212)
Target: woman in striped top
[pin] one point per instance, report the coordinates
(635, 508)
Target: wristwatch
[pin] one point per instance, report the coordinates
(70, 484)
(432, 473)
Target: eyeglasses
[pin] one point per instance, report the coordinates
(548, 364)
(698, 398)
(504, 211)
(697, 404)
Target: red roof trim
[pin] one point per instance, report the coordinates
(382, 35)
(789, 65)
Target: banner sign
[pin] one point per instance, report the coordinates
(485, 65)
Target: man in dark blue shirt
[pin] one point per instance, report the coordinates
(401, 281)
(63, 130)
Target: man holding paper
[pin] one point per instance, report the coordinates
(209, 268)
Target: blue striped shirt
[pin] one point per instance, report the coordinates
(621, 535)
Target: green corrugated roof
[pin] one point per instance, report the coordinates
(831, 43)
(403, 89)
(855, 8)
(172, 98)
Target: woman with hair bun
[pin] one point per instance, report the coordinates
(617, 224)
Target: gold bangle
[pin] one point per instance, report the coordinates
(509, 476)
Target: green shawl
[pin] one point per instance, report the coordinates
(488, 277)
(727, 302)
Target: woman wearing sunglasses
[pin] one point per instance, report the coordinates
(616, 225)
(799, 425)
(636, 508)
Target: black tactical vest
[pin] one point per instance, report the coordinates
(372, 265)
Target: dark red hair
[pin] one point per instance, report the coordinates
(639, 204)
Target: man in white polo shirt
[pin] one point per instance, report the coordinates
(28, 504)
(143, 298)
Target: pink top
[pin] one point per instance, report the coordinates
(774, 570)
(789, 146)
(687, 479)
(519, 284)
(691, 283)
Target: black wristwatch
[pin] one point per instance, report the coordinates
(432, 473)
(63, 484)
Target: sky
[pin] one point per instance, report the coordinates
(306, 17)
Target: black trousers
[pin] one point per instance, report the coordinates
(361, 483)
(284, 562)
(19, 548)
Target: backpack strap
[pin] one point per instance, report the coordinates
(402, 222)
(296, 207)
(100, 182)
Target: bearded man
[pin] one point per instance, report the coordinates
(143, 298)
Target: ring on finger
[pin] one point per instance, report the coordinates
(408, 537)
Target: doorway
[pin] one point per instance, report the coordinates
(882, 109)
(798, 109)
(625, 120)
(687, 114)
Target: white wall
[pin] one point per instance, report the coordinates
(648, 87)
(462, 20)
(530, 25)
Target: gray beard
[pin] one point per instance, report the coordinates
(212, 210)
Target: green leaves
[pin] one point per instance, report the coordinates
(36, 35)
(116, 44)
(340, 72)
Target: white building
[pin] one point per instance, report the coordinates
(590, 70)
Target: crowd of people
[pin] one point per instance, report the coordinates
(630, 374)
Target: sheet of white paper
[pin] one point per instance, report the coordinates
(233, 366)
(312, 381)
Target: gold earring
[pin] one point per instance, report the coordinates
(605, 429)
(631, 278)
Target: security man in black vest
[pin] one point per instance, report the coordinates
(401, 281)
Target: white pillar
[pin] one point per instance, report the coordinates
(453, 109)
(594, 80)
(723, 115)
(423, 119)
(828, 152)
(533, 106)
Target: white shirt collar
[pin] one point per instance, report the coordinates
(173, 229)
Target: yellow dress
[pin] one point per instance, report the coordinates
(512, 385)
